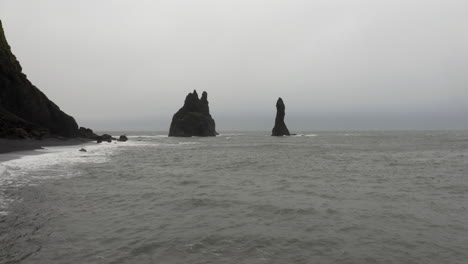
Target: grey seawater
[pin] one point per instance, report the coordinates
(323, 197)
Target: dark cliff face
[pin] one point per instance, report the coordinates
(25, 107)
(194, 118)
(280, 128)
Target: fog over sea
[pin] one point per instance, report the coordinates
(243, 197)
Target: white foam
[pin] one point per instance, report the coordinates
(52, 162)
(148, 136)
(189, 143)
(230, 134)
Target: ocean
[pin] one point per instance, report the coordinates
(244, 197)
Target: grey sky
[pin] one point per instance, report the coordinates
(349, 64)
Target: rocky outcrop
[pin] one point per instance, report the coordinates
(11, 126)
(280, 128)
(194, 118)
(106, 138)
(88, 133)
(24, 110)
(123, 138)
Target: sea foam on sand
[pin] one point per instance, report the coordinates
(47, 163)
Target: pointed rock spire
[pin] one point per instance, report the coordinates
(280, 128)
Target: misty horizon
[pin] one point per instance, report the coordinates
(361, 65)
(297, 122)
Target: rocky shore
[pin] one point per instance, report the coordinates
(27, 114)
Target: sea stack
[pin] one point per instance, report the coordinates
(25, 112)
(280, 128)
(194, 118)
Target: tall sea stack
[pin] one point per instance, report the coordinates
(194, 118)
(280, 128)
(24, 110)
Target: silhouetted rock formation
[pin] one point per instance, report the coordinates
(87, 133)
(84, 132)
(11, 126)
(24, 110)
(105, 137)
(123, 138)
(194, 118)
(280, 128)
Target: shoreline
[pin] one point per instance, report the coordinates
(17, 148)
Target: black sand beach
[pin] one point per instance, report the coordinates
(11, 148)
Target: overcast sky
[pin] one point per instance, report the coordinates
(350, 64)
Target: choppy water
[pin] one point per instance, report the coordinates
(324, 197)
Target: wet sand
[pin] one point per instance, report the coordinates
(12, 149)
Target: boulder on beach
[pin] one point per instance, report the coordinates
(280, 128)
(88, 133)
(105, 137)
(194, 118)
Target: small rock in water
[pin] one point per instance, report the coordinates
(83, 150)
(123, 138)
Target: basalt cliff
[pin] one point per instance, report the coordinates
(26, 112)
(194, 118)
(280, 128)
